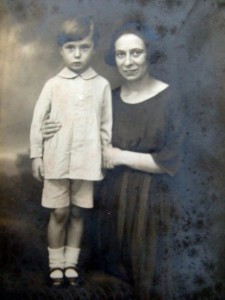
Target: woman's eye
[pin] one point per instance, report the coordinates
(120, 54)
(136, 53)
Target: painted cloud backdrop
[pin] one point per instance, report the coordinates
(29, 54)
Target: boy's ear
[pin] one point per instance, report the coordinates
(60, 50)
(94, 49)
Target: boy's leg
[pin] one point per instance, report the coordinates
(56, 242)
(81, 196)
(56, 263)
(75, 227)
(57, 227)
(74, 236)
(56, 196)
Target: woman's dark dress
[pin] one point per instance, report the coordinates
(136, 208)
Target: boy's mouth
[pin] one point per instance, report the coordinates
(76, 63)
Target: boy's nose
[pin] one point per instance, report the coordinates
(77, 52)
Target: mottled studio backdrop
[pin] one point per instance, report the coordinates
(192, 37)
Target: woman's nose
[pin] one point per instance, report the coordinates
(127, 61)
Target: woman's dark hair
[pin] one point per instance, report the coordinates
(76, 29)
(140, 29)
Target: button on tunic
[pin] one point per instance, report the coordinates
(82, 104)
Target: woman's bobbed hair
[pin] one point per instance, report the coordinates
(141, 30)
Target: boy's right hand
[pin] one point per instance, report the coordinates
(38, 168)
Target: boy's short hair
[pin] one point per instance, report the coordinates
(76, 29)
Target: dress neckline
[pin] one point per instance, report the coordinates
(118, 90)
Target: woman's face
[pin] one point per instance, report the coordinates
(131, 57)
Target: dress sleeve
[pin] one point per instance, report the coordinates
(106, 117)
(42, 108)
(169, 156)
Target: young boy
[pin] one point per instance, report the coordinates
(70, 161)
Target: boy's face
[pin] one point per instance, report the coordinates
(77, 54)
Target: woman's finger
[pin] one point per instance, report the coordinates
(50, 121)
(49, 130)
(50, 125)
(48, 136)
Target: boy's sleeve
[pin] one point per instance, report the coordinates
(42, 108)
(106, 117)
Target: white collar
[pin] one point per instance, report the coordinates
(69, 74)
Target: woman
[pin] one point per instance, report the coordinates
(144, 156)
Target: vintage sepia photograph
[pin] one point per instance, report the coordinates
(112, 149)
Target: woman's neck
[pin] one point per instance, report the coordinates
(138, 91)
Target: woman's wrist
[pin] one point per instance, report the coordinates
(123, 158)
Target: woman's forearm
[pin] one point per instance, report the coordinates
(139, 161)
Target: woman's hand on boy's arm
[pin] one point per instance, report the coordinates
(112, 157)
(38, 168)
(106, 161)
(49, 128)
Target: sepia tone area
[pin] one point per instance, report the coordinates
(192, 39)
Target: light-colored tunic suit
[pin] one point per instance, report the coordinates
(82, 104)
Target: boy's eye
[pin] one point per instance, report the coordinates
(69, 47)
(120, 54)
(137, 52)
(84, 47)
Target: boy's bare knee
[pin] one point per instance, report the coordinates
(60, 214)
(75, 211)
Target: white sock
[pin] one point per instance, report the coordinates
(56, 260)
(71, 260)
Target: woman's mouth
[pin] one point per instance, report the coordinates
(130, 71)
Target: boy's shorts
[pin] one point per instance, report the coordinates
(58, 193)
